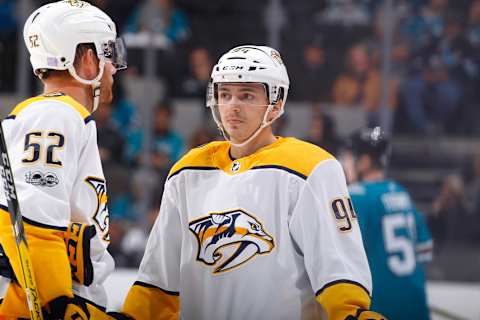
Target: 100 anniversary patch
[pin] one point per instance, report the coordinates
(41, 179)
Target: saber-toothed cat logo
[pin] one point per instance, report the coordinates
(100, 216)
(228, 239)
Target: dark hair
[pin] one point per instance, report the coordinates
(372, 142)
(82, 49)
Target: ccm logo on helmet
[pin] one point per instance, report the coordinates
(232, 68)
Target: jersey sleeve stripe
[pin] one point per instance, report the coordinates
(191, 168)
(148, 285)
(319, 292)
(34, 223)
(298, 174)
(88, 119)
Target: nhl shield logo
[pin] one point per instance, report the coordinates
(235, 166)
(229, 239)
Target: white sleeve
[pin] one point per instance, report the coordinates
(161, 262)
(331, 245)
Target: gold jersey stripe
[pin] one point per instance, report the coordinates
(288, 154)
(84, 113)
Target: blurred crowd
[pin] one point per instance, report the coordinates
(334, 51)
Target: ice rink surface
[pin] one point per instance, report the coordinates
(448, 300)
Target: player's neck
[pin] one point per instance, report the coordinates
(265, 138)
(79, 92)
(374, 175)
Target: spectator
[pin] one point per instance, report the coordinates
(314, 75)
(433, 92)
(201, 136)
(110, 140)
(427, 26)
(200, 68)
(124, 113)
(160, 16)
(322, 133)
(450, 213)
(360, 84)
(473, 30)
(168, 145)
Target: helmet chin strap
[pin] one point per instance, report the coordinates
(265, 123)
(94, 83)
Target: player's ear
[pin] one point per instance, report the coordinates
(88, 66)
(277, 108)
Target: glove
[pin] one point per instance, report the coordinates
(77, 240)
(76, 312)
(6, 269)
(366, 315)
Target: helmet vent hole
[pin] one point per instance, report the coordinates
(239, 76)
(262, 68)
(252, 68)
(35, 17)
(62, 59)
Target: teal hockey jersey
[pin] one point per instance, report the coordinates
(397, 241)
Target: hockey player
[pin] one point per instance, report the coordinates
(56, 165)
(255, 227)
(395, 235)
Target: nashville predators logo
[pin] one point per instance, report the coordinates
(276, 56)
(229, 239)
(76, 3)
(100, 217)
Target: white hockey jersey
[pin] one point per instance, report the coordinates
(261, 237)
(54, 156)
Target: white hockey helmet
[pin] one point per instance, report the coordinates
(252, 64)
(53, 32)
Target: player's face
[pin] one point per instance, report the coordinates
(242, 107)
(106, 94)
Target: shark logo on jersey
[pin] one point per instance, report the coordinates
(100, 217)
(229, 239)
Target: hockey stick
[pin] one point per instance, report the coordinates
(33, 298)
